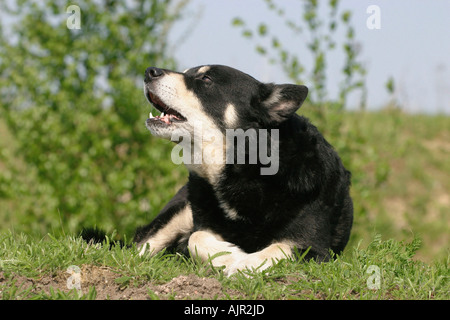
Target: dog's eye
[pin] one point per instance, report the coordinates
(207, 79)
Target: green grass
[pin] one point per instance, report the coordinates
(400, 176)
(401, 277)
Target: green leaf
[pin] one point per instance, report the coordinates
(261, 50)
(262, 29)
(390, 87)
(237, 22)
(247, 33)
(346, 16)
(275, 43)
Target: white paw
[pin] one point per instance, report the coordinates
(252, 262)
(208, 247)
(227, 258)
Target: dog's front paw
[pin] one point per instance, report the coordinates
(252, 262)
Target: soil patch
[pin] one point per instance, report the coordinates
(109, 285)
(191, 287)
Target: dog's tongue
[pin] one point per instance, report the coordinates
(166, 118)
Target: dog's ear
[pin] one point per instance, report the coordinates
(284, 100)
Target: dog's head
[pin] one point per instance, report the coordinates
(202, 104)
(217, 97)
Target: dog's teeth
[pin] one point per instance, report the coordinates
(150, 115)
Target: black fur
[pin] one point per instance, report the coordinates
(307, 201)
(93, 235)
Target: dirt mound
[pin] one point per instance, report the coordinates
(108, 285)
(192, 287)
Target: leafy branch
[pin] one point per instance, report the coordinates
(320, 34)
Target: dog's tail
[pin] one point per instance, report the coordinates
(93, 235)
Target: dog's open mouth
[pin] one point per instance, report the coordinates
(168, 115)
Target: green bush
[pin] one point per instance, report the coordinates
(73, 101)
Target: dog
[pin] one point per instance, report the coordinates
(246, 214)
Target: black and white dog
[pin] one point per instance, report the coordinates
(255, 205)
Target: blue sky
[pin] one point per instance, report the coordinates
(412, 46)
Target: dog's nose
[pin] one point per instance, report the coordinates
(152, 73)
